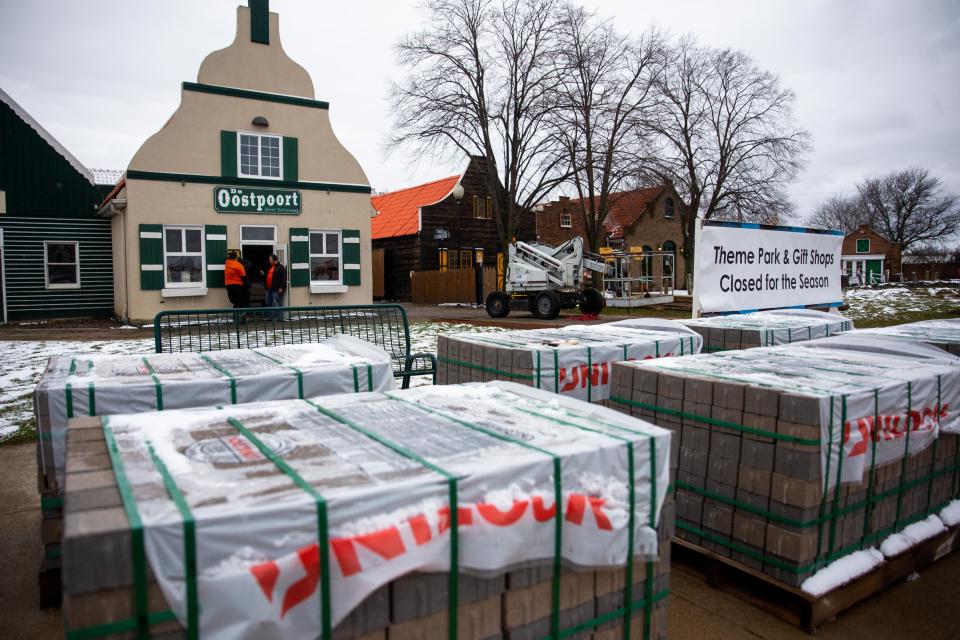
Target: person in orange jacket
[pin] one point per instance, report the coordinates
(233, 277)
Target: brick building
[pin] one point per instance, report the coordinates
(647, 219)
(869, 257)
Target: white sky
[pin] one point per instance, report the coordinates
(877, 81)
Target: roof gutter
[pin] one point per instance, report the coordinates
(112, 207)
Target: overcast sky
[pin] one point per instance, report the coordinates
(877, 81)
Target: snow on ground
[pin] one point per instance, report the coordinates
(22, 363)
(891, 303)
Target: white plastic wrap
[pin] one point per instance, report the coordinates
(256, 531)
(869, 402)
(881, 344)
(576, 361)
(778, 326)
(99, 385)
(939, 332)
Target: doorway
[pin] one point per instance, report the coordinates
(257, 243)
(3, 284)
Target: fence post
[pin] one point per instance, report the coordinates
(478, 282)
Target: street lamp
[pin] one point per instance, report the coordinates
(458, 196)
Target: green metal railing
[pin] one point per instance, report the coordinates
(384, 325)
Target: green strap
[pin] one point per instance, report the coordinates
(223, 370)
(558, 501)
(826, 476)
(141, 605)
(538, 369)
(836, 486)
(613, 615)
(156, 383)
(91, 400)
(189, 543)
(589, 379)
(118, 627)
(714, 421)
(69, 391)
(292, 368)
(936, 440)
(556, 371)
(906, 450)
(323, 531)
(871, 478)
(478, 367)
(356, 379)
(453, 584)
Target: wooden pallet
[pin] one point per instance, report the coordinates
(794, 606)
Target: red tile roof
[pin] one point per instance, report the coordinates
(398, 211)
(626, 207)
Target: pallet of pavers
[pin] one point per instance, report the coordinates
(791, 460)
(766, 328)
(98, 385)
(574, 361)
(944, 334)
(412, 514)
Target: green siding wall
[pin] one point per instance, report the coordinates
(27, 296)
(38, 180)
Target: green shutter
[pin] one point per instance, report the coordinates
(290, 165)
(215, 236)
(228, 154)
(351, 257)
(299, 257)
(151, 257)
(260, 21)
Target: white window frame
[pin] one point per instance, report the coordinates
(259, 226)
(46, 265)
(338, 255)
(569, 216)
(259, 137)
(203, 257)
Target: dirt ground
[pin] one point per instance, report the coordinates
(924, 608)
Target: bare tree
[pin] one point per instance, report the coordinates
(606, 95)
(481, 82)
(911, 207)
(842, 212)
(729, 138)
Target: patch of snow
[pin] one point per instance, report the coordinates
(841, 571)
(911, 536)
(950, 515)
(126, 326)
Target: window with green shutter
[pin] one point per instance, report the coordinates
(151, 257)
(299, 257)
(291, 170)
(351, 257)
(863, 245)
(228, 154)
(215, 236)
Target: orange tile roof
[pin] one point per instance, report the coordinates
(626, 208)
(398, 211)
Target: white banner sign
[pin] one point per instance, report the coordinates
(750, 267)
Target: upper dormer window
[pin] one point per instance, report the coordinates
(259, 156)
(668, 208)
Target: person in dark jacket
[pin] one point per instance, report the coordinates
(275, 283)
